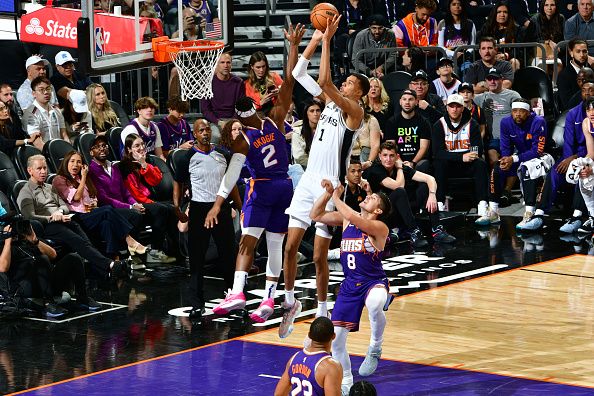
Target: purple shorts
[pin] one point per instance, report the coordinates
(351, 300)
(265, 203)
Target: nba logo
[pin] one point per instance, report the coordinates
(99, 43)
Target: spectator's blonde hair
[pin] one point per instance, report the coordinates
(33, 158)
(100, 116)
(384, 97)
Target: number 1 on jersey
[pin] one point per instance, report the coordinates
(321, 134)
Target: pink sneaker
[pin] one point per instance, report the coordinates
(231, 302)
(264, 311)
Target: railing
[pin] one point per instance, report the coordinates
(432, 55)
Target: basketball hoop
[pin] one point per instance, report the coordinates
(195, 61)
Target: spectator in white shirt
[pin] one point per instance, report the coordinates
(36, 66)
(43, 117)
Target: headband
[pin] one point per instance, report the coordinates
(246, 114)
(520, 105)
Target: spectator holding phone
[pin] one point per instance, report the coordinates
(262, 85)
(76, 114)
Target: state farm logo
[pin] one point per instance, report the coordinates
(34, 27)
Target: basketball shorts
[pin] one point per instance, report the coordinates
(351, 300)
(265, 203)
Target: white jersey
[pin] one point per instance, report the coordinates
(442, 91)
(457, 141)
(331, 145)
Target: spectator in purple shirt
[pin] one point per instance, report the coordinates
(175, 130)
(226, 89)
(111, 191)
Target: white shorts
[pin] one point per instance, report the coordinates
(306, 194)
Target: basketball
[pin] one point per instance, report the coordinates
(320, 14)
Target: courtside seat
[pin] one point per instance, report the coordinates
(16, 189)
(21, 155)
(120, 112)
(8, 174)
(395, 83)
(114, 136)
(533, 82)
(54, 151)
(173, 160)
(83, 143)
(163, 192)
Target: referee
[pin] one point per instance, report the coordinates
(203, 167)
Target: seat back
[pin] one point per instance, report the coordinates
(115, 142)
(21, 155)
(395, 83)
(8, 174)
(55, 150)
(120, 112)
(174, 160)
(533, 82)
(7, 204)
(164, 190)
(16, 189)
(83, 143)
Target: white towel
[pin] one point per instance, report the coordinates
(573, 173)
(537, 167)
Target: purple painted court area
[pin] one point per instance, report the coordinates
(241, 368)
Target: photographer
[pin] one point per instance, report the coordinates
(28, 263)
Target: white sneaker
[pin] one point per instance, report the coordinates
(157, 256)
(289, 315)
(526, 219)
(63, 299)
(369, 365)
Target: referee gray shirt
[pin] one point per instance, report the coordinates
(204, 171)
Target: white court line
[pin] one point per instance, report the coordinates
(302, 314)
(269, 376)
(115, 307)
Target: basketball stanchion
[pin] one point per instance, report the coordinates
(195, 61)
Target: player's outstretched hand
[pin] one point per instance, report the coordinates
(332, 26)
(295, 35)
(317, 35)
(327, 185)
(211, 217)
(338, 192)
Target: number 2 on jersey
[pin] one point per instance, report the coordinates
(268, 161)
(301, 386)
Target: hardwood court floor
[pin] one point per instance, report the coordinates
(535, 322)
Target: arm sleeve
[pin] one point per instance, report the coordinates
(152, 175)
(300, 74)
(539, 136)
(231, 175)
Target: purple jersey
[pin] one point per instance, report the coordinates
(267, 157)
(302, 373)
(360, 260)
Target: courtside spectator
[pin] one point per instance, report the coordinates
(467, 92)
(455, 29)
(43, 117)
(175, 130)
(377, 103)
(103, 116)
(430, 105)
(304, 131)
(477, 72)
(226, 89)
(7, 97)
(36, 67)
(38, 201)
(581, 25)
(567, 79)
(547, 27)
(67, 77)
(377, 35)
(446, 84)
(7, 142)
(144, 127)
(418, 28)
(261, 85)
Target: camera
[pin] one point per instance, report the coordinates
(20, 228)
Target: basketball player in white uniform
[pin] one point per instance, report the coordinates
(328, 159)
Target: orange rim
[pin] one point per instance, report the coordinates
(193, 46)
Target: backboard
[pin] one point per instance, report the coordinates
(116, 35)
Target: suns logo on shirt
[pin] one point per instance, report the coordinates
(352, 245)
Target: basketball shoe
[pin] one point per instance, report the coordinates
(231, 302)
(289, 315)
(263, 312)
(369, 365)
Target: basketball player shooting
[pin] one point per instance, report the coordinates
(263, 145)
(365, 283)
(328, 159)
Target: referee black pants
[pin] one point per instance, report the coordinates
(223, 234)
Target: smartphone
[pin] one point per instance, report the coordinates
(271, 88)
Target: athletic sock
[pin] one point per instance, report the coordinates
(539, 212)
(530, 209)
(270, 289)
(239, 280)
(290, 297)
(322, 308)
(577, 213)
(494, 206)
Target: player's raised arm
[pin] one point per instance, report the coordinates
(318, 211)
(351, 107)
(300, 70)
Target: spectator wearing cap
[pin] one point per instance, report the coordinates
(411, 133)
(77, 115)
(67, 78)
(144, 127)
(467, 92)
(477, 72)
(36, 66)
(374, 64)
(419, 27)
(446, 84)
(43, 117)
(496, 103)
(457, 150)
(523, 139)
(430, 105)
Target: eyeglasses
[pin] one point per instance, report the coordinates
(67, 65)
(491, 78)
(44, 90)
(419, 83)
(101, 146)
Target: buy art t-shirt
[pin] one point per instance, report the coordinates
(407, 133)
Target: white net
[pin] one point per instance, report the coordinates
(196, 68)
